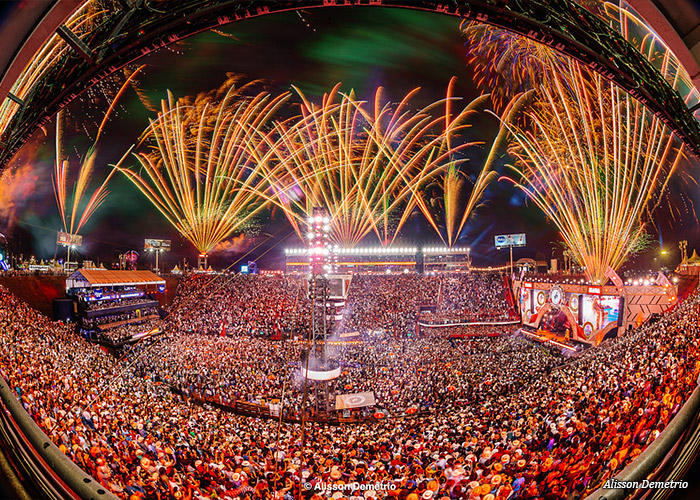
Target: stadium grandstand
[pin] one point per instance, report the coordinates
(353, 356)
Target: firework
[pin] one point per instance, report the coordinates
(364, 162)
(73, 209)
(199, 173)
(594, 160)
(448, 210)
(507, 64)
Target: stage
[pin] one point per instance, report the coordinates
(558, 342)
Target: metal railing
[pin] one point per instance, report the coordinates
(51, 471)
(683, 428)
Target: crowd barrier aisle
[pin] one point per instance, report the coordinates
(663, 460)
(52, 472)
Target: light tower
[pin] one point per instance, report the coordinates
(317, 366)
(320, 267)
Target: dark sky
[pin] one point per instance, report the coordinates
(313, 50)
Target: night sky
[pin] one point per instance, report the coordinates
(361, 47)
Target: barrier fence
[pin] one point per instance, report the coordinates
(666, 459)
(50, 471)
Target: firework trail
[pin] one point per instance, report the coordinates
(454, 204)
(507, 64)
(366, 162)
(73, 209)
(199, 171)
(596, 162)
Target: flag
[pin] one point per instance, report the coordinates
(610, 273)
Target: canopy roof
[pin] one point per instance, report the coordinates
(694, 259)
(89, 278)
(526, 262)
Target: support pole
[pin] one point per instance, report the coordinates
(511, 260)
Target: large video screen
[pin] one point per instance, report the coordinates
(592, 312)
(597, 311)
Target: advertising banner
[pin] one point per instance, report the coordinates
(510, 240)
(155, 244)
(358, 400)
(67, 239)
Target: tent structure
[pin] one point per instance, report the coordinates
(694, 260)
(529, 263)
(691, 265)
(91, 278)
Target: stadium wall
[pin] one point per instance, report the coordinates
(37, 291)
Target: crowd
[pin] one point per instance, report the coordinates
(126, 332)
(98, 305)
(504, 418)
(103, 321)
(279, 305)
(401, 372)
(242, 304)
(387, 302)
(475, 296)
(393, 303)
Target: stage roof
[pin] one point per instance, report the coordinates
(90, 278)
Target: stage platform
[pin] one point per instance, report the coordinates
(555, 341)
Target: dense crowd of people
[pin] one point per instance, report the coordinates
(474, 296)
(400, 372)
(98, 305)
(104, 321)
(126, 332)
(279, 305)
(242, 304)
(387, 302)
(503, 418)
(393, 303)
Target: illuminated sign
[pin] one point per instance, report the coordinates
(98, 294)
(154, 244)
(510, 240)
(67, 239)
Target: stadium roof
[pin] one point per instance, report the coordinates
(89, 278)
(128, 30)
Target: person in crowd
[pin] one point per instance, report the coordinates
(496, 417)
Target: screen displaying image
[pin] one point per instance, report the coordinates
(526, 304)
(598, 311)
(611, 308)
